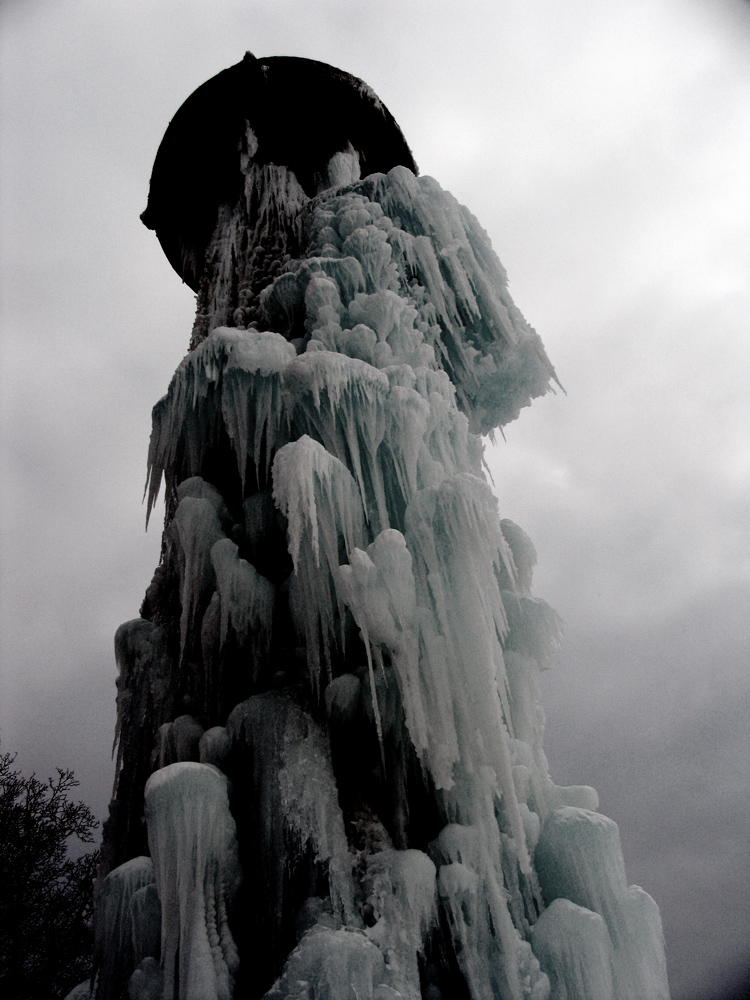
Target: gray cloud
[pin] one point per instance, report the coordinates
(654, 718)
(605, 149)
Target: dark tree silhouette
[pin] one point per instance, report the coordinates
(45, 895)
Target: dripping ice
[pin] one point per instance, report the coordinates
(332, 695)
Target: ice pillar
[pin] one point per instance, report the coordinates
(333, 687)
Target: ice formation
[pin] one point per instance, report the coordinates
(192, 839)
(123, 926)
(329, 708)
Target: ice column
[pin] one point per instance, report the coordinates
(332, 695)
(192, 838)
(121, 934)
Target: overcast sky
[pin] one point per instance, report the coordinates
(606, 149)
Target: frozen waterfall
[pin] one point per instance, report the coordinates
(328, 711)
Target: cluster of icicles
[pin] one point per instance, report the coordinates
(360, 445)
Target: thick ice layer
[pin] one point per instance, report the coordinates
(192, 839)
(200, 489)
(145, 920)
(579, 858)
(146, 981)
(639, 958)
(494, 959)
(574, 949)
(454, 534)
(247, 599)
(401, 228)
(446, 652)
(80, 992)
(373, 336)
(339, 401)
(294, 801)
(214, 746)
(232, 381)
(196, 528)
(114, 930)
(320, 499)
(179, 740)
(144, 665)
(145, 697)
(402, 898)
(333, 965)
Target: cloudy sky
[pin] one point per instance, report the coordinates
(606, 149)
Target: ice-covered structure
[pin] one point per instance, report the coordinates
(328, 710)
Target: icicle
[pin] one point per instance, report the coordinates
(574, 949)
(402, 897)
(114, 957)
(447, 435)
(454, 535)
(294, 802)
(320, 499)
(458, 886)
(186, 419)
(340, 401)
(407, 418)
(374, 696)
(579, 858)
(145, 920)
(494, 959)
(333, 965)
(197, 528)
(247, 598)
(378, 587)
(231, 378)
(274, 197)
(192, 839)
(252, 403)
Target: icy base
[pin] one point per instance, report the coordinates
(332, 695)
